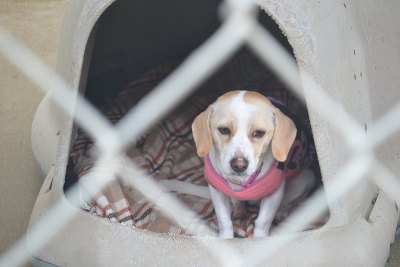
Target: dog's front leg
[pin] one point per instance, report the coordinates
(222, 206)
(268, 208)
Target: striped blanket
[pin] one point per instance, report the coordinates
(167, 150)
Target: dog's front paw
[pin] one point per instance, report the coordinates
(259, 233)
(226, 234)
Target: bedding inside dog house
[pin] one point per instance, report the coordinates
(106, 45)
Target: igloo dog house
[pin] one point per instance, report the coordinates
(338, 45)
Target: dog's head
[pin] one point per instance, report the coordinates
(241, 126)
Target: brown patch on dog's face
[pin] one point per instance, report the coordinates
(241, 128)
(244, 124)
(285, 130)
(222, 124)
(260, 132)
(262, 124)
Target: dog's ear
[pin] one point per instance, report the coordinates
(201, 132)
(284, 135)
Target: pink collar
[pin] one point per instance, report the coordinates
(249, 181)
(252, 190)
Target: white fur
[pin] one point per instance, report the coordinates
(223, 207)
(240, 144)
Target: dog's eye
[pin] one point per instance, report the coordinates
(224, 130)
(258, 134)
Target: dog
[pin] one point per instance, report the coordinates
(251, 152)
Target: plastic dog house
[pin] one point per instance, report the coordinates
(339, 45)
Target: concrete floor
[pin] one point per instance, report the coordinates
(37, 24)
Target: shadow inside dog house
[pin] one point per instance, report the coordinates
(110, 48)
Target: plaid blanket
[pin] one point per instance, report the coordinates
(167, 151)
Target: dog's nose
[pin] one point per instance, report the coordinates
(239, 164)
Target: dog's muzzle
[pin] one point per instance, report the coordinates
(239, 164)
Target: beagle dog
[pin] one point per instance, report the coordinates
(252, 152)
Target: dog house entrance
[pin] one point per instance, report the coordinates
(134, 46)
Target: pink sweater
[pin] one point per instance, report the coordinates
(253, 189)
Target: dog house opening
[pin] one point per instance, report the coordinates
(135, 45)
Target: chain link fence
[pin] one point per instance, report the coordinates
(239, 28)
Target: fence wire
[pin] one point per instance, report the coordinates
(239, 28)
